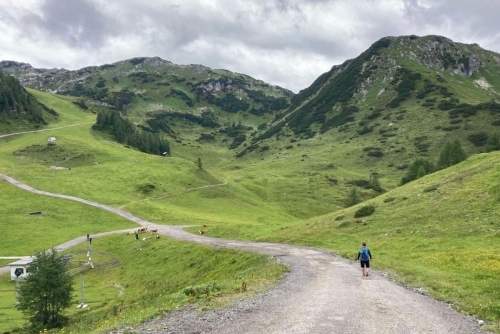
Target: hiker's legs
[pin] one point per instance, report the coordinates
(363, 268)
(367, 267)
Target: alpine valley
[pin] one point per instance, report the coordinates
(399, 146)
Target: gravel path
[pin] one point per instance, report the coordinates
(42, 130)
(322, 294)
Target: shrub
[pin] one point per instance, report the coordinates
(418, 168)
(451, 128)
(344, 224)
(478, 139)
(493, 143)
(364, 211)
(352, 198)
(431, 188)
(389, 199)
(206, 136)
(451, 154)
(376, 154)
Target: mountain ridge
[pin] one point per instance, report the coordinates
(402, 99)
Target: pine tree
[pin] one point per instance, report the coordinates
(352, 198)
(451, 154)
(46, 292)
(493, 143)
(418, 168)
(375, 183)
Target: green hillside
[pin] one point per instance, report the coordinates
(287, 174)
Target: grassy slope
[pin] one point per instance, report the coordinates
(129, 286)
(439, 232)
(440, 239)
(118, 180)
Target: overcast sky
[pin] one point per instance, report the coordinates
(284, 42)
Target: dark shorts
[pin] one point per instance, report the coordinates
(365, 264)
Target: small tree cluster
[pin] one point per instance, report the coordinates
(451, 154)
(417, 169)
(126, 132)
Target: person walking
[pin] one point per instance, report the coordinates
(364, 257)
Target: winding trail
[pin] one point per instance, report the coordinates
(42, 130)
(322, 294)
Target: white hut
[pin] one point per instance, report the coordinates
(22, 267)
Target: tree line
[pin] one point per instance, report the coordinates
(125, 132)
(451, 154)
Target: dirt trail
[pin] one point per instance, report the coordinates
(322, 294)
(42, 130)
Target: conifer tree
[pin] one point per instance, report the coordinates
(493, 143)
(352, 198)
(452, 154)
(418, 168)
(46, 292)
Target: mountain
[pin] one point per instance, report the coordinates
(402, 99)
(160, 93)
(143, 80)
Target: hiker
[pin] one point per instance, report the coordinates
(364, 257)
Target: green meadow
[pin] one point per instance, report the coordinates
(437, 233)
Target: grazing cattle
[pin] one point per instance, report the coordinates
(202, 231)
(205, 225)
(142, 229)
(154, 230)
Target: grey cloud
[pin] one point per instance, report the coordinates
(76, 23)
(259, 38)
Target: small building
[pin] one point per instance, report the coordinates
(22, 267)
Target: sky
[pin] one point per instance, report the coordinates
(288, 43)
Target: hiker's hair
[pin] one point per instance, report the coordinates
(364, 243)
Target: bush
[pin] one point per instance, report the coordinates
(364, 211)
(361, 183)
(376, 154)
(418, 168)
(493, 143)
(431, 188)
(344, 224)
(478, 139)
(451, 154)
